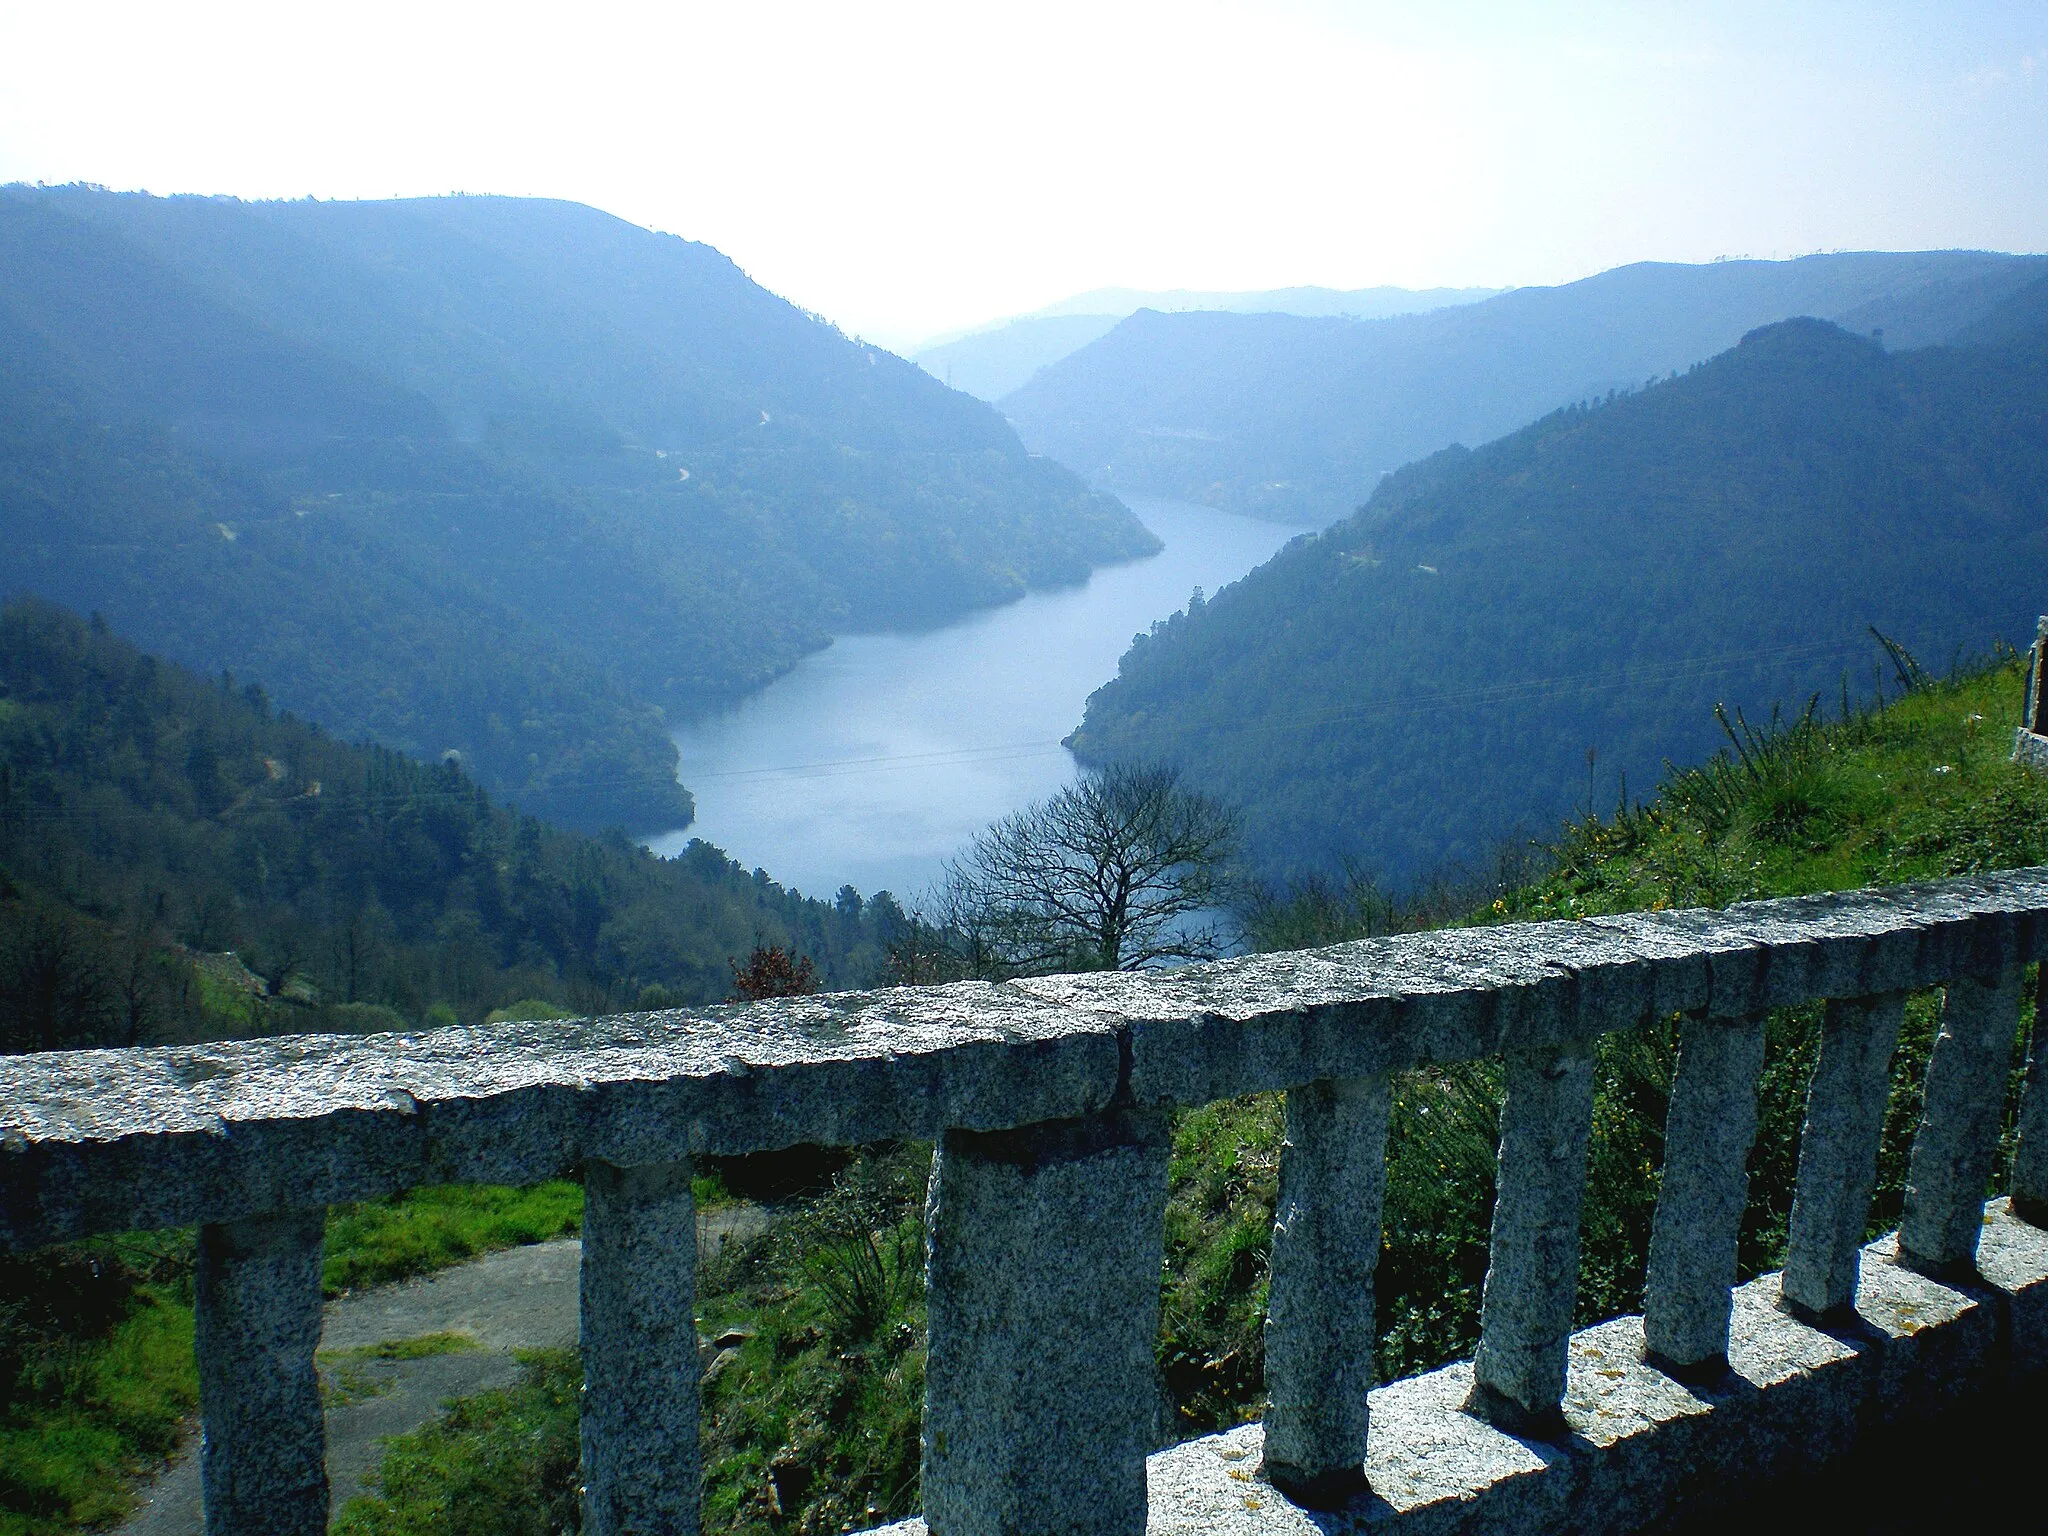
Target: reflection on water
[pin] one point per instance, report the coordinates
(876, 758)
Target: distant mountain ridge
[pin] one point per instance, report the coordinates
(508, 477)
(993, 360)
(1297, 418)
(1500, 637)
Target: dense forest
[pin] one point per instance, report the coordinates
(992, 362)
(1296, 418)
(1503, 636)
(178, 859)
(506, 477)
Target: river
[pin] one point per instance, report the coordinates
(873, 760)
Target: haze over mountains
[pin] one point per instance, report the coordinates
(992, 360)
(509, 477)
(1429, 675)
(1297, 418)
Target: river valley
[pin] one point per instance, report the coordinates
(875, 759)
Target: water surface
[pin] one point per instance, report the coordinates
(875, 759)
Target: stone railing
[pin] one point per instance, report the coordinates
(1048, 1100)
(2030, 741)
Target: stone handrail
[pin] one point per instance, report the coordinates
(1047, 1099)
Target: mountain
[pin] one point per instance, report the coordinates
(510, 478)
(1498, 637)
(993, 360)
(178, 860)
(1297, 418)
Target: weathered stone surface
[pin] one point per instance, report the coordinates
(1319, 1313)
(2030, 750)
(2030, 1161)
(1430, 1467)
(1640, 1447)
(2012, 1261)
(1936, 1345)
(263, 1456)
(1532, 1271)
(1794, 1397)
(1957, 1140)
(114, 1140)
(641, 1465)
(1707, 1136)
(1042, 1296)
(108, 1141)
(1838, 1149)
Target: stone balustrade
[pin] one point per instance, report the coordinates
(1047, 1100)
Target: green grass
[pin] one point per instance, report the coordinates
(422, 1230)
(101, 1388)
(349, 1375)
(96, 1360)
(1921, 789)
(811, 1414)
(502, 1463)
(811, 1420)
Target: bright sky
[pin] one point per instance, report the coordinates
(907, 169)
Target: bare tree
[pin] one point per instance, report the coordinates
(1126, 868)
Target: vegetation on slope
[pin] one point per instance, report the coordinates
(97, 1381)
(1500, 636)
(178, 861)
(812, 1395)
(1292, 417)
(565, 477)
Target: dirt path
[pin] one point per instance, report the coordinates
(521, 1298)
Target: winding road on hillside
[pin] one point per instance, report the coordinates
(520, 1298)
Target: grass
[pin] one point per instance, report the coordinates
(415, 1233)
(811, 1406)
(811, 1411)
(96, 1354)
(97, 1382)
(350, 1375)
(501, 1463)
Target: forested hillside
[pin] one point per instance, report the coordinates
(509, 477)
(1297, 418)
(1500, 636)
(992, 362)
(178, 860)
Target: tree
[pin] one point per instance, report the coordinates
(1126, 868)
(772, 971)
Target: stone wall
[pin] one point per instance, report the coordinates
(1046, 1099)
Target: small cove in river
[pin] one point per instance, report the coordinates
(872, 761)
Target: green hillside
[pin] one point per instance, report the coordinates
(993, 362)
(178, 860)
(1502, 636)
(1297, 418)
(509, 477)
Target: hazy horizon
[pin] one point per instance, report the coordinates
(921, 169)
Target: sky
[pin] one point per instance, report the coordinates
(911, 169)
